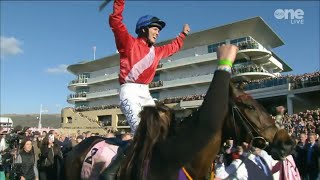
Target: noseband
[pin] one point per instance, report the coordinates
(249, 127)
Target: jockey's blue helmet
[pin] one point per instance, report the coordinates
(149, 21)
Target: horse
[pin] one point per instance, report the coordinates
(244, 115)
(246, 121)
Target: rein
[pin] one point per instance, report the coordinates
(246, 123)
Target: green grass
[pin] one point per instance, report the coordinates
(48, 120)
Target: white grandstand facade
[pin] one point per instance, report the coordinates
(95, 90)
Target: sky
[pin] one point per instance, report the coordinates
(39, 39)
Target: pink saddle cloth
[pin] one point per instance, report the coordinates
(97, 159)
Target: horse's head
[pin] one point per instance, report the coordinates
(282, 145)
(250, 120)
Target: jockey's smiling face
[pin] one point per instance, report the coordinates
(153, 34)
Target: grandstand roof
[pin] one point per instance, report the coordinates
(286, 67)
(255, 27)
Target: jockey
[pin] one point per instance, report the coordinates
(139, 59)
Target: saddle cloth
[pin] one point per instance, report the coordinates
(97, 159)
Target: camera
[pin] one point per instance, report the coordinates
(13, 140)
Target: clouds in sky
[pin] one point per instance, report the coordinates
(10, 46)
(62, 68)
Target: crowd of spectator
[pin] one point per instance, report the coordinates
(247, 68)
(302, 122)
(248, 45)
(95, 108)
(183, 98)
(41, 155)
(301, 126)
(78, 95)
(156, 84)
(305, 80)
(85, 80)
(296, 81)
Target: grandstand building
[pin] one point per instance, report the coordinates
(182, 79)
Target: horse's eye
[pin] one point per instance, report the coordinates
(251, 107)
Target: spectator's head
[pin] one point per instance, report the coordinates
(26, 145)
(229, 142)
(239, 150)
(44, 133)
(79, 138)
(62, 137)
(126, 136)
(17, 129)
(312, 138)
(88, 134)
(256, 151)
(110, 135)
(236, 155)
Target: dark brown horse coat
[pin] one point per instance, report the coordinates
(197, 141)
(177, 150)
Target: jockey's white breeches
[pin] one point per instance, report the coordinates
(133, 97)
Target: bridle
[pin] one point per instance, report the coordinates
(249, 127)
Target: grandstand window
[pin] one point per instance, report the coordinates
(106, 120)
(122, 120)
(213, 47)
(234, 41)
(155, 95)
(69, 120)
(243, 39)
(210, 48)
(156, 77)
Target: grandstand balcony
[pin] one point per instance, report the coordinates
(187, 61)
(77, 83)
(77, 97)
(189, 81)
(101, 94)
(260, 55)
(104, 78)
(249, 76)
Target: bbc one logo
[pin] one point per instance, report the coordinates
(294, 16)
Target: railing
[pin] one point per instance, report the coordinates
(111, 92)
(93, 108)
(77, 95)
(266, 83)
(296, 82)
(78, 81)
(186, 81)
(187, 61)
(248, 68)
(252, 44)
(305, 82)
(156, 84)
